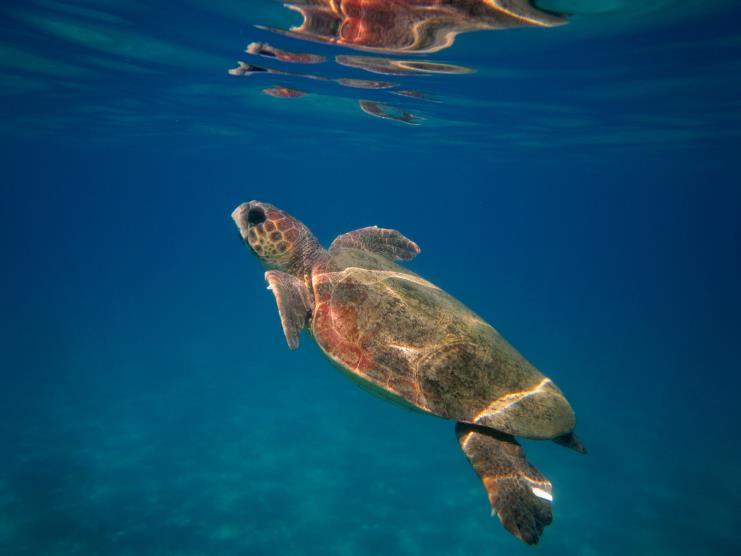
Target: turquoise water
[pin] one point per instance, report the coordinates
(580, 190)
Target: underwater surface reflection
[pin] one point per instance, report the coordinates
(391, 27)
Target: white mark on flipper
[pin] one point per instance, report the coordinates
(540, 493)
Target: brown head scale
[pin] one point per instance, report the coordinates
(278, 239)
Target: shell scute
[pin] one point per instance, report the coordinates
(389, 327)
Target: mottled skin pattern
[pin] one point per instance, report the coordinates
(407, 340)
(278, 239)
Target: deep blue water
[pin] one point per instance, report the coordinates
(581, 191)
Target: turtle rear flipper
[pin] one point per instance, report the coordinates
(518, 493)
(388, 243)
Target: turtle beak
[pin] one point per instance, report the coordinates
(239, 215)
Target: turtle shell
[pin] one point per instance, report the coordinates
(406, 339)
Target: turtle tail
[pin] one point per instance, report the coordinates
(570, 440)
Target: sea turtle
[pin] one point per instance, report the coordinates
(406, 339)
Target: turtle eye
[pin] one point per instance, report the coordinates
(256, 216)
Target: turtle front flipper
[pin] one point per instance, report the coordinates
(518, 493)
(294, 303)
(388, 243)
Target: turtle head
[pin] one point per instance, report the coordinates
(278, 239)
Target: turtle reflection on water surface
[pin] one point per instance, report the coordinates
(407, 340)
(404, 26)
(393, 27)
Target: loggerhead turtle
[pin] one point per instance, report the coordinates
(407, 340)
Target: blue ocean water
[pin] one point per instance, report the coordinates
(580, 190)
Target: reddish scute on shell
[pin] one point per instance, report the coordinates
(347, 353)
(330, 319)
(335, 324)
